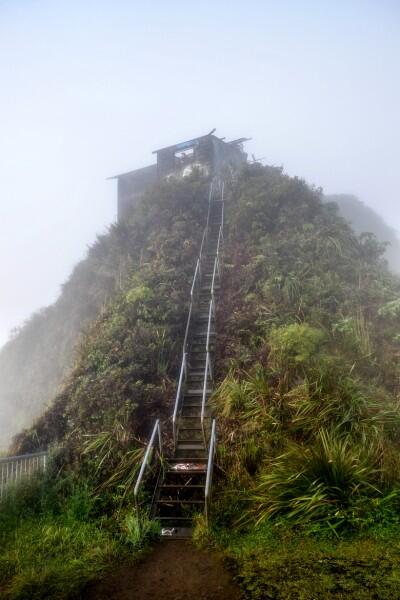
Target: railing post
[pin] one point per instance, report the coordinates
(210, 466)
(203, 400)
(183, 373)
(156, 430)
(160, 448)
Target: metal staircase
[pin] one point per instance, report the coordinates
(182, 482)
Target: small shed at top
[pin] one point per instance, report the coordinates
(208, 153)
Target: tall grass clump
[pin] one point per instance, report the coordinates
(317, 482)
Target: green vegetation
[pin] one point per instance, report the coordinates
(285, 564)
(56, 538)
(309, 410)
(127, 276)
(127, 362)
(63, 532)
(307, 485)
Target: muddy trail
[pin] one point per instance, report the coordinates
(173, 570)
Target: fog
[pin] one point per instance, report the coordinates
(89, 89)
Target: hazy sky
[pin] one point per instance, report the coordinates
(90, 88)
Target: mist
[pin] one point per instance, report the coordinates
(363, 219)
(89, 90)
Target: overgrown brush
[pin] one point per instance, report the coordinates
(318, 482)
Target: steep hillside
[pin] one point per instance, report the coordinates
(310, 315)
(363, 219)
(308, 405)
(37, 360)
(126, 362)
(307, 489)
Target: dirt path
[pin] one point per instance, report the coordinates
(174, 570)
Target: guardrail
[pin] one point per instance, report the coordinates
(210, 469)
(14, 469)
(147, 460)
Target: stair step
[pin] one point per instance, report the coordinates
(190, 428)
(191, 445)
(191, 417)
(176, 533)
(199, 454)
(180, 502)
(203, 334)
(198, 373)
(199, 344)
(174, 486)
(174, 518)
(174, 459)
(188, 466)
(202, 369)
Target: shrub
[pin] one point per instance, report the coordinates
(294, 345)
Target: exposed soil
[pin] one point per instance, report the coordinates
(174, 570)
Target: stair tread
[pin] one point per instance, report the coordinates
(165, 501)
(174, 518)
(189, 460)
(190, 428)
(189, 417)
(181, 486)
(176, 533)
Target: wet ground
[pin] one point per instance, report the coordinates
(173, 570)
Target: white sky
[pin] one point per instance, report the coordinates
(89, 88)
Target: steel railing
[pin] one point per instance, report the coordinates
(196, 284)
(148, 459)
(208, 371)
(217, 272)
(15, 468)
(210, 469)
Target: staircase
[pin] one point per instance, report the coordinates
(183, 484)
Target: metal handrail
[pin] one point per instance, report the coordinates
(208, 368)
(204, 239)
(19, 457)
(196, 280)
(182, 375)
(196, 277)
(14, 468)
(210, 468)
(156, 432)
